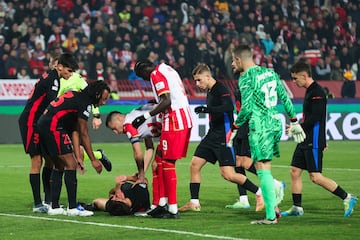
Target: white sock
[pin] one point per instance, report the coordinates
(173, 208)
(162, 201)
(244, 199)
(195, 201)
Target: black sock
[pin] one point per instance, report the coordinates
(248, 185)
(241, 189)
(340, 192)
(296, 199)
(35, 186)
(252, 169)
(194, 190)
(55, 187)
(71, 187)
(46, 173)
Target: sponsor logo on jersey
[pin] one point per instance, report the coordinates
(159, 86)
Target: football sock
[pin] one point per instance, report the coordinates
(252, 169)
(155, 188)
(170, 181)
(46, 173)
(160, 176)
(35, 186)
(340, 192)
(97, 155)
(241, 189)
(194, 190)
(71, 187)
(55, 186)
(268, 191)
(248, 185)
(296, 199)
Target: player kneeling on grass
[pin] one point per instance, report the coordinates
(64, 116)
(125, 198)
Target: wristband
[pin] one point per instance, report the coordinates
(147, 115)
(97, 115)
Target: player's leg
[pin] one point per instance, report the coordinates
(196, 165)
(297, 164)
(46, 174)
(70, 179)
(327, 183)
(100, 154)
(243, 201)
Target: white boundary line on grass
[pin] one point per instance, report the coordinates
(123, 226)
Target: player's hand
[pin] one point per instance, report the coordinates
(97, 165)
(231, 135)
(81, 167)
(121, 179)
(201, 109)
(96, 122)
(295, 130)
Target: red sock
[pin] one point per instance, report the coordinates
(155, 188)
(170, 181)
(160, 178)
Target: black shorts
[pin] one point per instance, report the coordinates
(212, 150)
(55, 143)
(308, 159)
(241, 141)
(30, 137)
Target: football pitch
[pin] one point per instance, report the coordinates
(323, 218)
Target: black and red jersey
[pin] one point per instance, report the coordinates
(63, 112)
(44, 91)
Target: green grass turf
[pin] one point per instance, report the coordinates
(323, 217)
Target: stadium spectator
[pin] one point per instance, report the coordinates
(308, 154)
(336, 71)
(322, 70)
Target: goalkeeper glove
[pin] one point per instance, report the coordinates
(201, 109)
(231, 135)
(140, 120)
(295, 130)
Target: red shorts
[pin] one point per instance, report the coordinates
(174, 145)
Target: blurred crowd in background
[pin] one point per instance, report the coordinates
(108, 36)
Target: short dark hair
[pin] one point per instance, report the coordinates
(141, 65)
(301, 66)
(68, 60)
(110, 116)
(117, 208)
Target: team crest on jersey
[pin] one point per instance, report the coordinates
(159, 86)
(55, 85)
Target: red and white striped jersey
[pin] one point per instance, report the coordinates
(150, 128)
(165, 79)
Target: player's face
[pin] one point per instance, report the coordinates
(64, 72)
(236, 64)
(104, 97)
(202, 80)
(299, 78)
(117, 125)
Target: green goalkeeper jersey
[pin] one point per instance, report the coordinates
(74, 83)
(260, 90)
